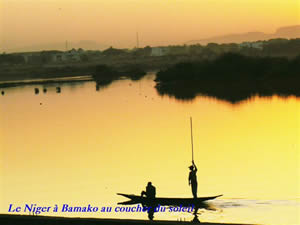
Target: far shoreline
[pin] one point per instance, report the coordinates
(39, 81)
(230, 77)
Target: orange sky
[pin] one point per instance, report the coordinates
(159, 22)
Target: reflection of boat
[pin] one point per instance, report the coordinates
(187, 202)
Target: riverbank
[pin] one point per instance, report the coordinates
(231, 77)
(45, 71)
(102, 74)
(103, 71)
(57, 80)
(37, 220)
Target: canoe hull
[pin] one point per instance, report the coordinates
(135, 199)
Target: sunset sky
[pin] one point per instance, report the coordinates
(159, 22)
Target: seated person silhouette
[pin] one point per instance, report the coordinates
(150, 202)
(150, 191)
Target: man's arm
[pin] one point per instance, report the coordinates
(195, 166)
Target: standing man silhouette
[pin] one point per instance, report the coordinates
(193, 179)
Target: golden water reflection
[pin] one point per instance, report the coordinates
(82, 147)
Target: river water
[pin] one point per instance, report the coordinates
(82, 146)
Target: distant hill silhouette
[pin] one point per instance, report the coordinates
(84, 44)
(283, 32)
(288, 32)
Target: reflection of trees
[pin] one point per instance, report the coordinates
(231, 77)
(105, 75)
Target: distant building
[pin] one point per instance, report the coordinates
(31, 57)
(257, 45)
(159, 51)
(52, 56)
(69, 56)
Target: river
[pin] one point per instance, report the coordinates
(82, 146)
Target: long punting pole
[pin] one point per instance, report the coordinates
(192, 138)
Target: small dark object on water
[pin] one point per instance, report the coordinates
(36, 91)
(41, 103)
(2, 92)
(58, 89)
(45, 90)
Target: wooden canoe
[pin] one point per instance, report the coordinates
(135, 199)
